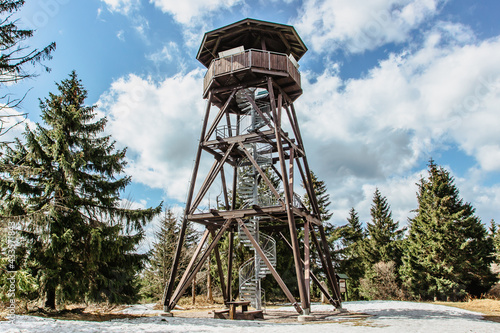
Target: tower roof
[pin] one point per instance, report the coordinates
(251, 34)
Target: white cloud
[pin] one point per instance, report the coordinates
(359, 133)
(372, 131)
(141, 26)
(120, 35)
(359, 25)
(122, 6)
(166, 54)
(159, 123)
(13, 124)
(192, 12)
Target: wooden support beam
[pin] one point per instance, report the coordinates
(307, 260)
(179, 292)
(329, 262)
(308, 186)
(196, 253)
(224, 189)
(261, 172)
(218, 165)
(312, 197)
(219, 116)
(220, 270)
(230, 251)
(228, 122)
(238, 86)
(314, 278)
(332, 280)
(291, 173)
(288, 202)
(275, 274)
(256, 108)
(235, 184)
(173, 272)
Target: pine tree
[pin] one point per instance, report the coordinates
(80, 244)
(383, 236)
(322, 197)
(447, 253)
(157, 272)
(495, 237)
(381, 251)
(351, 264)
(14, 58)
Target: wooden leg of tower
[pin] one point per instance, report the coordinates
(324, 263)
(288, 200)
(173, 272)
(329, 264)
(307, 263)
(313, 277)
(230, 265)
(182, 287)
(202, 242)
(224, 189)
(220, 271)
(235, 184)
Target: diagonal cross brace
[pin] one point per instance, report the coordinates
(181, 289)
(269, 266)
(262, 174)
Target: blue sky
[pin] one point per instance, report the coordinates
(387, 85)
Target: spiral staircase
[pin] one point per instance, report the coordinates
(254, 269)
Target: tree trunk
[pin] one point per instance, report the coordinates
(210, 298)
(193, 291)
(50, 298)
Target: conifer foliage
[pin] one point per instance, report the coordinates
(383, 235)
(351, 264)
(322, 197)
(448, 252)
(157, 272)
(14, 60)
(80, 243)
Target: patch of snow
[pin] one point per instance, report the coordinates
(386, 316)
(141, 310)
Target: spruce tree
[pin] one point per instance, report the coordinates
(495, 237)
(381, 251)
(351, 264)
(447, 253)
(14, 60)
(161, 256)
(80, 244)
(383, 236)
(322, 197)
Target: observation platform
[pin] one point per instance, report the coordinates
(252, 66)
(246, 52)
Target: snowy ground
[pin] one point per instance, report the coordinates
(387, 316)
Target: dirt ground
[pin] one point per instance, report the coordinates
(490, 308)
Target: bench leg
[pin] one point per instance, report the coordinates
(232, 311)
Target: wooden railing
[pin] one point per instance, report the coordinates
(252, 58)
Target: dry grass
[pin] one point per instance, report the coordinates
(489, 307)
(95, 312)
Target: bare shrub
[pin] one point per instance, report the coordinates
(382, 283)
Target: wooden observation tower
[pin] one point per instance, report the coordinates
(251, 130)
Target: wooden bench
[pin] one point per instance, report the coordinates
(221, 314)
(234, 305)
(250, 315)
